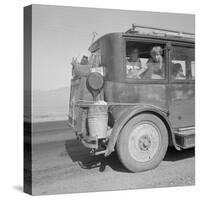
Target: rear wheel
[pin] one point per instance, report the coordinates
(142, 143)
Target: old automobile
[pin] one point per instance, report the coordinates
(136, 95)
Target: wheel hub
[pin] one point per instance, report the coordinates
(144, 143)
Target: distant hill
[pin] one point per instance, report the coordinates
(50, 105)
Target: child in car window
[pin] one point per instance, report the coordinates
(155, 64)
(177, 72)
(133, 64)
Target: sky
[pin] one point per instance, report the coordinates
(60, 33)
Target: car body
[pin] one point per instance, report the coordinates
(168, 99)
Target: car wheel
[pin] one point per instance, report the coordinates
(142, 143)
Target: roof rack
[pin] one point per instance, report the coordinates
(160, 31)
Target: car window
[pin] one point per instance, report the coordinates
(145, 61)
(182, 63)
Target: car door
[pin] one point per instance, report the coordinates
(181, 89)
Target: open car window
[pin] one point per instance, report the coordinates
(182, 63)
(145, 61)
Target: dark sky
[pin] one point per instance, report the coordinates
(60, 33)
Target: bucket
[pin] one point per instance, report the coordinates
(97, 121)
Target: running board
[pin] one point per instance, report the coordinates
(185, 137)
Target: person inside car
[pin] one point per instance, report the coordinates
(155, 64)
(133, 64)
(177, 72)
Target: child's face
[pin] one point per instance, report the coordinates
(134, 55)
(156, 56)
(180, 72)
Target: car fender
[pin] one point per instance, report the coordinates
(128, 114)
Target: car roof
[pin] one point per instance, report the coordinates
(151, 35)
(167, 37)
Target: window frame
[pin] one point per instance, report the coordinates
(184, 45)
(146, 40)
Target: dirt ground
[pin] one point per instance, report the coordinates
(62, 165)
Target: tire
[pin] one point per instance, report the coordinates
(142, 143)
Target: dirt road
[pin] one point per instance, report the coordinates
(62, 165)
